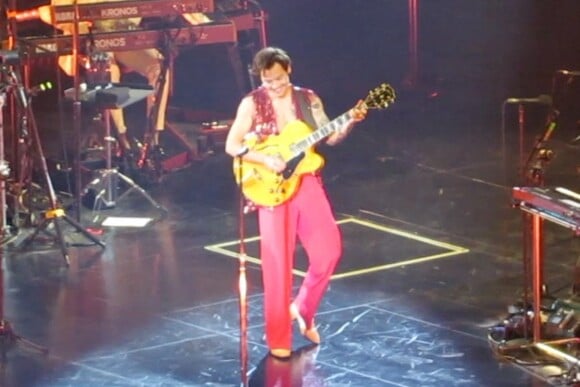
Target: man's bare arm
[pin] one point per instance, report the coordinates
(240, 128)
(321, 119)
(318, 113)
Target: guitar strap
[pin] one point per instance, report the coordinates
(303, 100)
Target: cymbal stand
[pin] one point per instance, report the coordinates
(54, 213)
(7, 334)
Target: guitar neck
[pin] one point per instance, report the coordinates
(321, 133)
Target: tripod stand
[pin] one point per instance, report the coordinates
(7, 334)
(54, 213)
(103, 189)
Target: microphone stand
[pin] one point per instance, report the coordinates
(539, 156)
(242, 281)
(533, 227)
(535, 172)
(531, 173)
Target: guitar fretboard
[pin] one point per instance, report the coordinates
(321, 133)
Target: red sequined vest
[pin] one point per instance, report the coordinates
(264, 123)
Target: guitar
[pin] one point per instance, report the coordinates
(295, 145)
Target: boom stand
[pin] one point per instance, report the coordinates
(104, 187)
(7, 335)
(54, 213)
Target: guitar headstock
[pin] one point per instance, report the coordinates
(380, 97)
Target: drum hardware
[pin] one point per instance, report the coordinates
(54, 213)
(29, 151)
(8, 84)
(101, 192)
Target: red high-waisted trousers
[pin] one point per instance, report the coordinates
(308, 216)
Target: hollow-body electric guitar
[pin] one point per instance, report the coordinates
(295, 145)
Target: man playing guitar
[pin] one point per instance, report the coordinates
(271, 110)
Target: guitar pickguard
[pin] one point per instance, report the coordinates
(291, 165)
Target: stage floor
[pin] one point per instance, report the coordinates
(432, 259)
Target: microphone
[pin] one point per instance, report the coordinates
(543, 99)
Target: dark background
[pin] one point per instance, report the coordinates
(472, 56)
